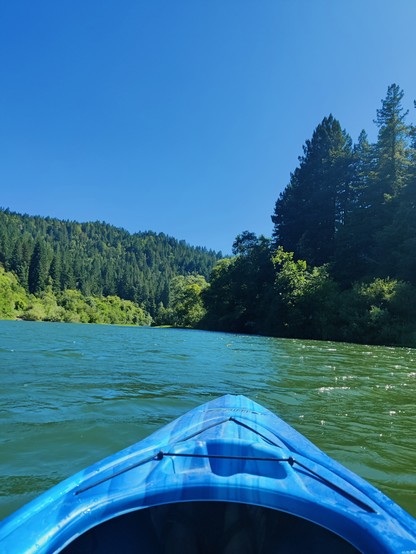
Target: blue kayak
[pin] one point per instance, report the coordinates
(228, 476)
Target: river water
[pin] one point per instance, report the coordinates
(72, 394)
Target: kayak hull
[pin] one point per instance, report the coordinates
(219, 458)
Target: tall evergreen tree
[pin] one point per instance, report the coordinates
(309, 212)
(398, 239)
(353, 241)
(392, 148)
(38, 269)
(363, 172)
(55, 270)
(392, 163)
(367, 245)
(20, 261)
(68, 280)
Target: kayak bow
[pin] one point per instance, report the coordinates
(228, 476)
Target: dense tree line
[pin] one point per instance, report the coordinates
(69, 306)
(353, 205)
(97, 260)
(342, 260)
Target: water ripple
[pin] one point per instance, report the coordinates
(72, 394)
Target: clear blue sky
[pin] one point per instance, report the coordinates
(185, 116)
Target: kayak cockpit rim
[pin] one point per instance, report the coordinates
(215, 523)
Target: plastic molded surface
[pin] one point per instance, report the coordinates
(230, 451)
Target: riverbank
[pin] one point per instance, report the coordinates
(69, 306)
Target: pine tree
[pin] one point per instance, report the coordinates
(367, 245)
(38, 269)
(20, 260)
(392, 163)
(55, 270)
(353, 241)
(392, 149)
(399, 238)
(312, 208)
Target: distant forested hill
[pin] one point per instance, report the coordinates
(97, 259)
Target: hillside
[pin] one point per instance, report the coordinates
(97, 259)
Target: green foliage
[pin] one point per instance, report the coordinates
(110, 309)
(304, 298)
(306, 302)
(239, 287)
(186, 305)
(219, 298)
(244, 243)
(382, 311)
(67, 306)
(13, 298)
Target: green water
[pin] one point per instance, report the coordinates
(72, 394)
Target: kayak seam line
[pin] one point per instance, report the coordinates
(337, 488)
(205, 429)
(255, 431)
(153, 457)
(235, 420)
